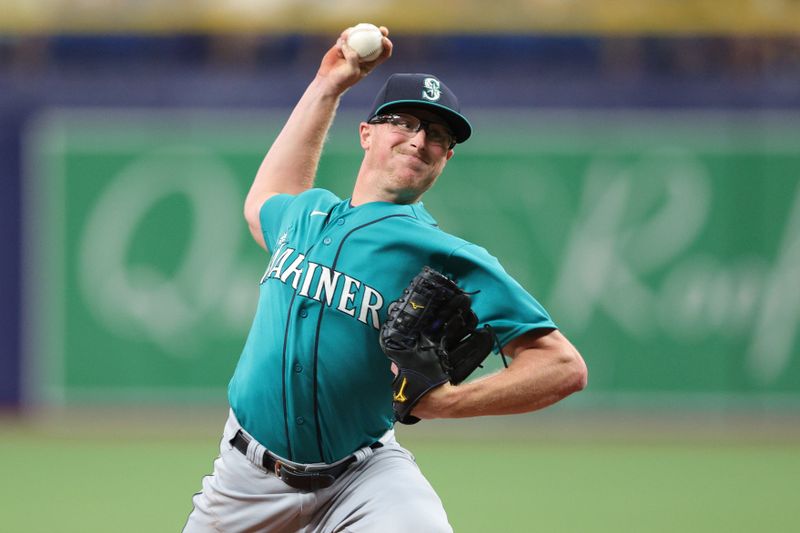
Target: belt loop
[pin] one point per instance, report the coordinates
(363, 453)
(255, 452)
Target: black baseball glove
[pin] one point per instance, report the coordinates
(430, 336)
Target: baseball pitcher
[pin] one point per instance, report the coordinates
(368, 315)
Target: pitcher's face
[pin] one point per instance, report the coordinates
(405, 160)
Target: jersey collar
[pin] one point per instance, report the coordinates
(373, 210)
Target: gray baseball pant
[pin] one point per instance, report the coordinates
(383, 491)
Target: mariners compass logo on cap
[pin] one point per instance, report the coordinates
(424, 91)
(431, 89)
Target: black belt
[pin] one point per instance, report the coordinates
(302, 480)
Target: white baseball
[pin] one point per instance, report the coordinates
(367, 40)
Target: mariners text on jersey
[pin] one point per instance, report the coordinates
(321, 283)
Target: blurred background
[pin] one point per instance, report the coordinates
(635, 165)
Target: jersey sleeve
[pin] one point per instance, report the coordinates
(279, 210)
(499, 300)
(270, 216)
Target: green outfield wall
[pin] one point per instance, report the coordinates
(665, 245)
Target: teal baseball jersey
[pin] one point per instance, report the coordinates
(312, 384)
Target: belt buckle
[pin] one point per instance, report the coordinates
(301, 480)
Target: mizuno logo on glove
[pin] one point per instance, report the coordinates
(399, 396)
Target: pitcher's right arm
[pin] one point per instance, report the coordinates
(290, 165)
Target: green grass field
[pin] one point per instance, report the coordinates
(96, 476)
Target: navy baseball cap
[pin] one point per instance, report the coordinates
(426, 92)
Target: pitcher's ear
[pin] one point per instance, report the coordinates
(365, 134)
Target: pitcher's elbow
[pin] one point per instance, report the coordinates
(579, 373)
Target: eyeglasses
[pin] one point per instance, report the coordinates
(409, 125)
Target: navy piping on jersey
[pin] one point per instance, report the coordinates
(283, 379)
(283, 359)
(316, 404)
(319, 322)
